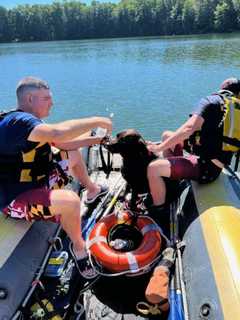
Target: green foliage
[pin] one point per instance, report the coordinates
(71, 19)
(188, 17)
(5, 33)
(225, 17)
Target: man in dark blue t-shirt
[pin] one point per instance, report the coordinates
(202, 136)
(15, 128)
(32, 173)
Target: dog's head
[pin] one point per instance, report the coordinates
(136, 157)
(128, 143)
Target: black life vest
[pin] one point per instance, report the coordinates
(226, 137)
(32, 165)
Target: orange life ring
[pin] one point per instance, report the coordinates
(122, 261)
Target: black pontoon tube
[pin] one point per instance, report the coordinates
(35, 282)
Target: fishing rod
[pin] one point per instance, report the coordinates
(116, 191)
(232, 173)
(179, 307)
(237, 161)
(114, 199)
(182, 200)
(98, 210)
(227, 167)
(234, 180)
(176, 301)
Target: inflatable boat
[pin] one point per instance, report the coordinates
(38, 279)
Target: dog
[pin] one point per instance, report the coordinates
(136, 158)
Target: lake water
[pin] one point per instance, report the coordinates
(151, 84)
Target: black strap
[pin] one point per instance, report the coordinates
(109, 163)
(3, 113)
(107, 167)
(237, 161)
(63, 174)
(232, 141)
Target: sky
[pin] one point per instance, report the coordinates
(13, 3)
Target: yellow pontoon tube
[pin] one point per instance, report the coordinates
(211, 259)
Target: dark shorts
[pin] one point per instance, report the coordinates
(184, 168)
(192, 168)
(35, 204)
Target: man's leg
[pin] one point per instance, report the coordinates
(45, 204)
(176, 168)
(156, 170)
(162, 168)
(66, 203)
(78, 169)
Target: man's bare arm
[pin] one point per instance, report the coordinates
(78, 143)
(184, 132)
(68, 130)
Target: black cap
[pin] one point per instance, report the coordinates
(231, 84)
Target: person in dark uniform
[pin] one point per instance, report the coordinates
(210, 136)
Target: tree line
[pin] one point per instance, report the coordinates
(70, 20)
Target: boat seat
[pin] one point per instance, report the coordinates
(23, 248)
(11, 232)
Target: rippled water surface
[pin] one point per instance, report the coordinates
(150, 84)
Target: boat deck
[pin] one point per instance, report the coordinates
(112, 298)
(116, 297)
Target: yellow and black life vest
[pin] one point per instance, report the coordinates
(31, 165)
(231, 124)
(226, 138)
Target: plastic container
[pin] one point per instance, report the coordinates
(101, 132)
(56, 264)
(118, 244)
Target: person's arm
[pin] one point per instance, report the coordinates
(184, 132)
(78, 143)
(67, 130)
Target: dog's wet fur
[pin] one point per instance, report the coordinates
(136, 158)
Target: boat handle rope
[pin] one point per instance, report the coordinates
(56, 241)
(78, 309)
(127, 272)
(38, 282)
(149, 309)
